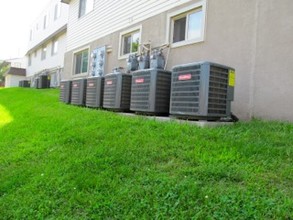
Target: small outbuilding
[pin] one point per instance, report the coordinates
(13, 76)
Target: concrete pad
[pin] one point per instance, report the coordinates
(200, 123)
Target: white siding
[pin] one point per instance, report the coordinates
(38, 33)
(51, 61)
(13, 81)
(109, 16)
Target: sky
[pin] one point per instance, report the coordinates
(16, 16)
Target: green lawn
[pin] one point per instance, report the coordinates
(59, 161)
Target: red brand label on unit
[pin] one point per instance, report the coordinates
(75, 85)
(91, 84)
(184, 77)
(109, 82)
(141, 80)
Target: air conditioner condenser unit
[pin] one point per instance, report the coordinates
(65, 91)
(78, 92)
(94, 92)
(202, 90)
(117, 91)
(43, 82)
(150, 91)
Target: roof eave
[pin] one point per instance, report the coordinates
(61, 30)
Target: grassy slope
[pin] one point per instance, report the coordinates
(66, 162)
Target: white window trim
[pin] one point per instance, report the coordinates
(81, 16)
(45, 23)
(57, 14)
(128, 31)
(29, 59)
(42, 52)
(53, 47)
(176, 14)
(74, 66)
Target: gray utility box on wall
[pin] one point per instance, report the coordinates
(65, 91)
(94, 92)
(150, 91)
(202, 90)
(117, 91)
(78, 92)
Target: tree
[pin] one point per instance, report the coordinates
(4, 66)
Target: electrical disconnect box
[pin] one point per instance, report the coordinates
(94, 92)
(202, 90)
(65, 91)
(78, 92)
(98, 61)
(150, 91)
(157, 60)
(117, 89)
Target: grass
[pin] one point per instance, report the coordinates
(64, 162)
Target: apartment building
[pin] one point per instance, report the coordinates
(254, 37)
(47, 43)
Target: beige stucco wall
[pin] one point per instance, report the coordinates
(238, 34)
(273, 78)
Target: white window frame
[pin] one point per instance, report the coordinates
(57, 11)
(45, 21)
(74, 62)
(31, 34)
(126, 33)
(44, 52)
(29, 60)
(87, 11)
(54, 48)
(171, 17)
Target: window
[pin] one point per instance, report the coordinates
(129, 42)
(57, 11)
(29, 60)
(85, 6)
(31, 35)
(81, 62)
(46, 21)
(54, 47)
(44, 53)
(36, 53)
(187, 25)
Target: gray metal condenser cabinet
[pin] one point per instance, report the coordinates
(43, 82)
(202, 90)
(150, 91)
(94, 92)
(65, 91)
(117, 91)
(78, 92)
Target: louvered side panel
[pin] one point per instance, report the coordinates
(218, 88)
(162, 96)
